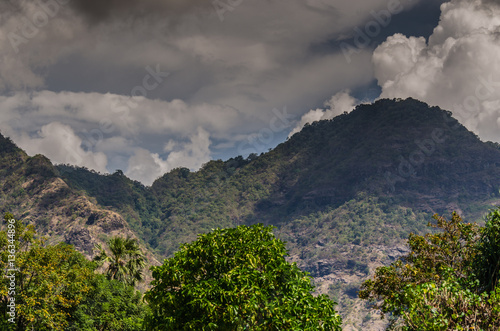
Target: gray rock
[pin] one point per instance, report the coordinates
(81, 239)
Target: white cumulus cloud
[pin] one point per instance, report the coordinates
(338, 104)
(108, 131)
(61, 145)
(457, 69)
(145, 166)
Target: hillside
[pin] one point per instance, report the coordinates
(33, 191)
(319, 169)
(344, 193)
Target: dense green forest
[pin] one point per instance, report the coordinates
(320, 169)
(233, 279)
(54, 287)
(238, 279)
(344, 194)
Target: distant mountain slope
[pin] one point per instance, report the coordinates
(116, 192)
(401, 151)
(345, 193)
(404, 150)
(32, 190)
(363, 150)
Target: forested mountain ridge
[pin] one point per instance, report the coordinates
(345, 193)
(401, 150)
(32, 189)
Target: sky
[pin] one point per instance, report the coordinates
(147, 86)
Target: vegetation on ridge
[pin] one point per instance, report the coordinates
(343, 193)
(320, 168)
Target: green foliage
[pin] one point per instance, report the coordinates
(430, 256)
(109, 305)
(488, 260)
(236, 279)
(57, 288)
(448, 281)
(126, 262)
(50, 282)
(320, 169)
(450, 305)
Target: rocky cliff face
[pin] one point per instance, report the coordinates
(32, 190)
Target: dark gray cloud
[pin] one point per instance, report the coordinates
(230, 73)
(99, 10)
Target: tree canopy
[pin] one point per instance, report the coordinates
(56, 287)
(50, 280)
(448, 281)
(125, 263)
(236, 279)
(109, 305)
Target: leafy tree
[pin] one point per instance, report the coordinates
(488, 261)
(451, 304)
(57, 288)
(236, 279)
(126, 262)
(50, 281)
(110, 305)
(447, 281)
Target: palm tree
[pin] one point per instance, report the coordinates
(126, 261)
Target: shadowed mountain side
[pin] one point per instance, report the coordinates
(344, 193)
(417, 156)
